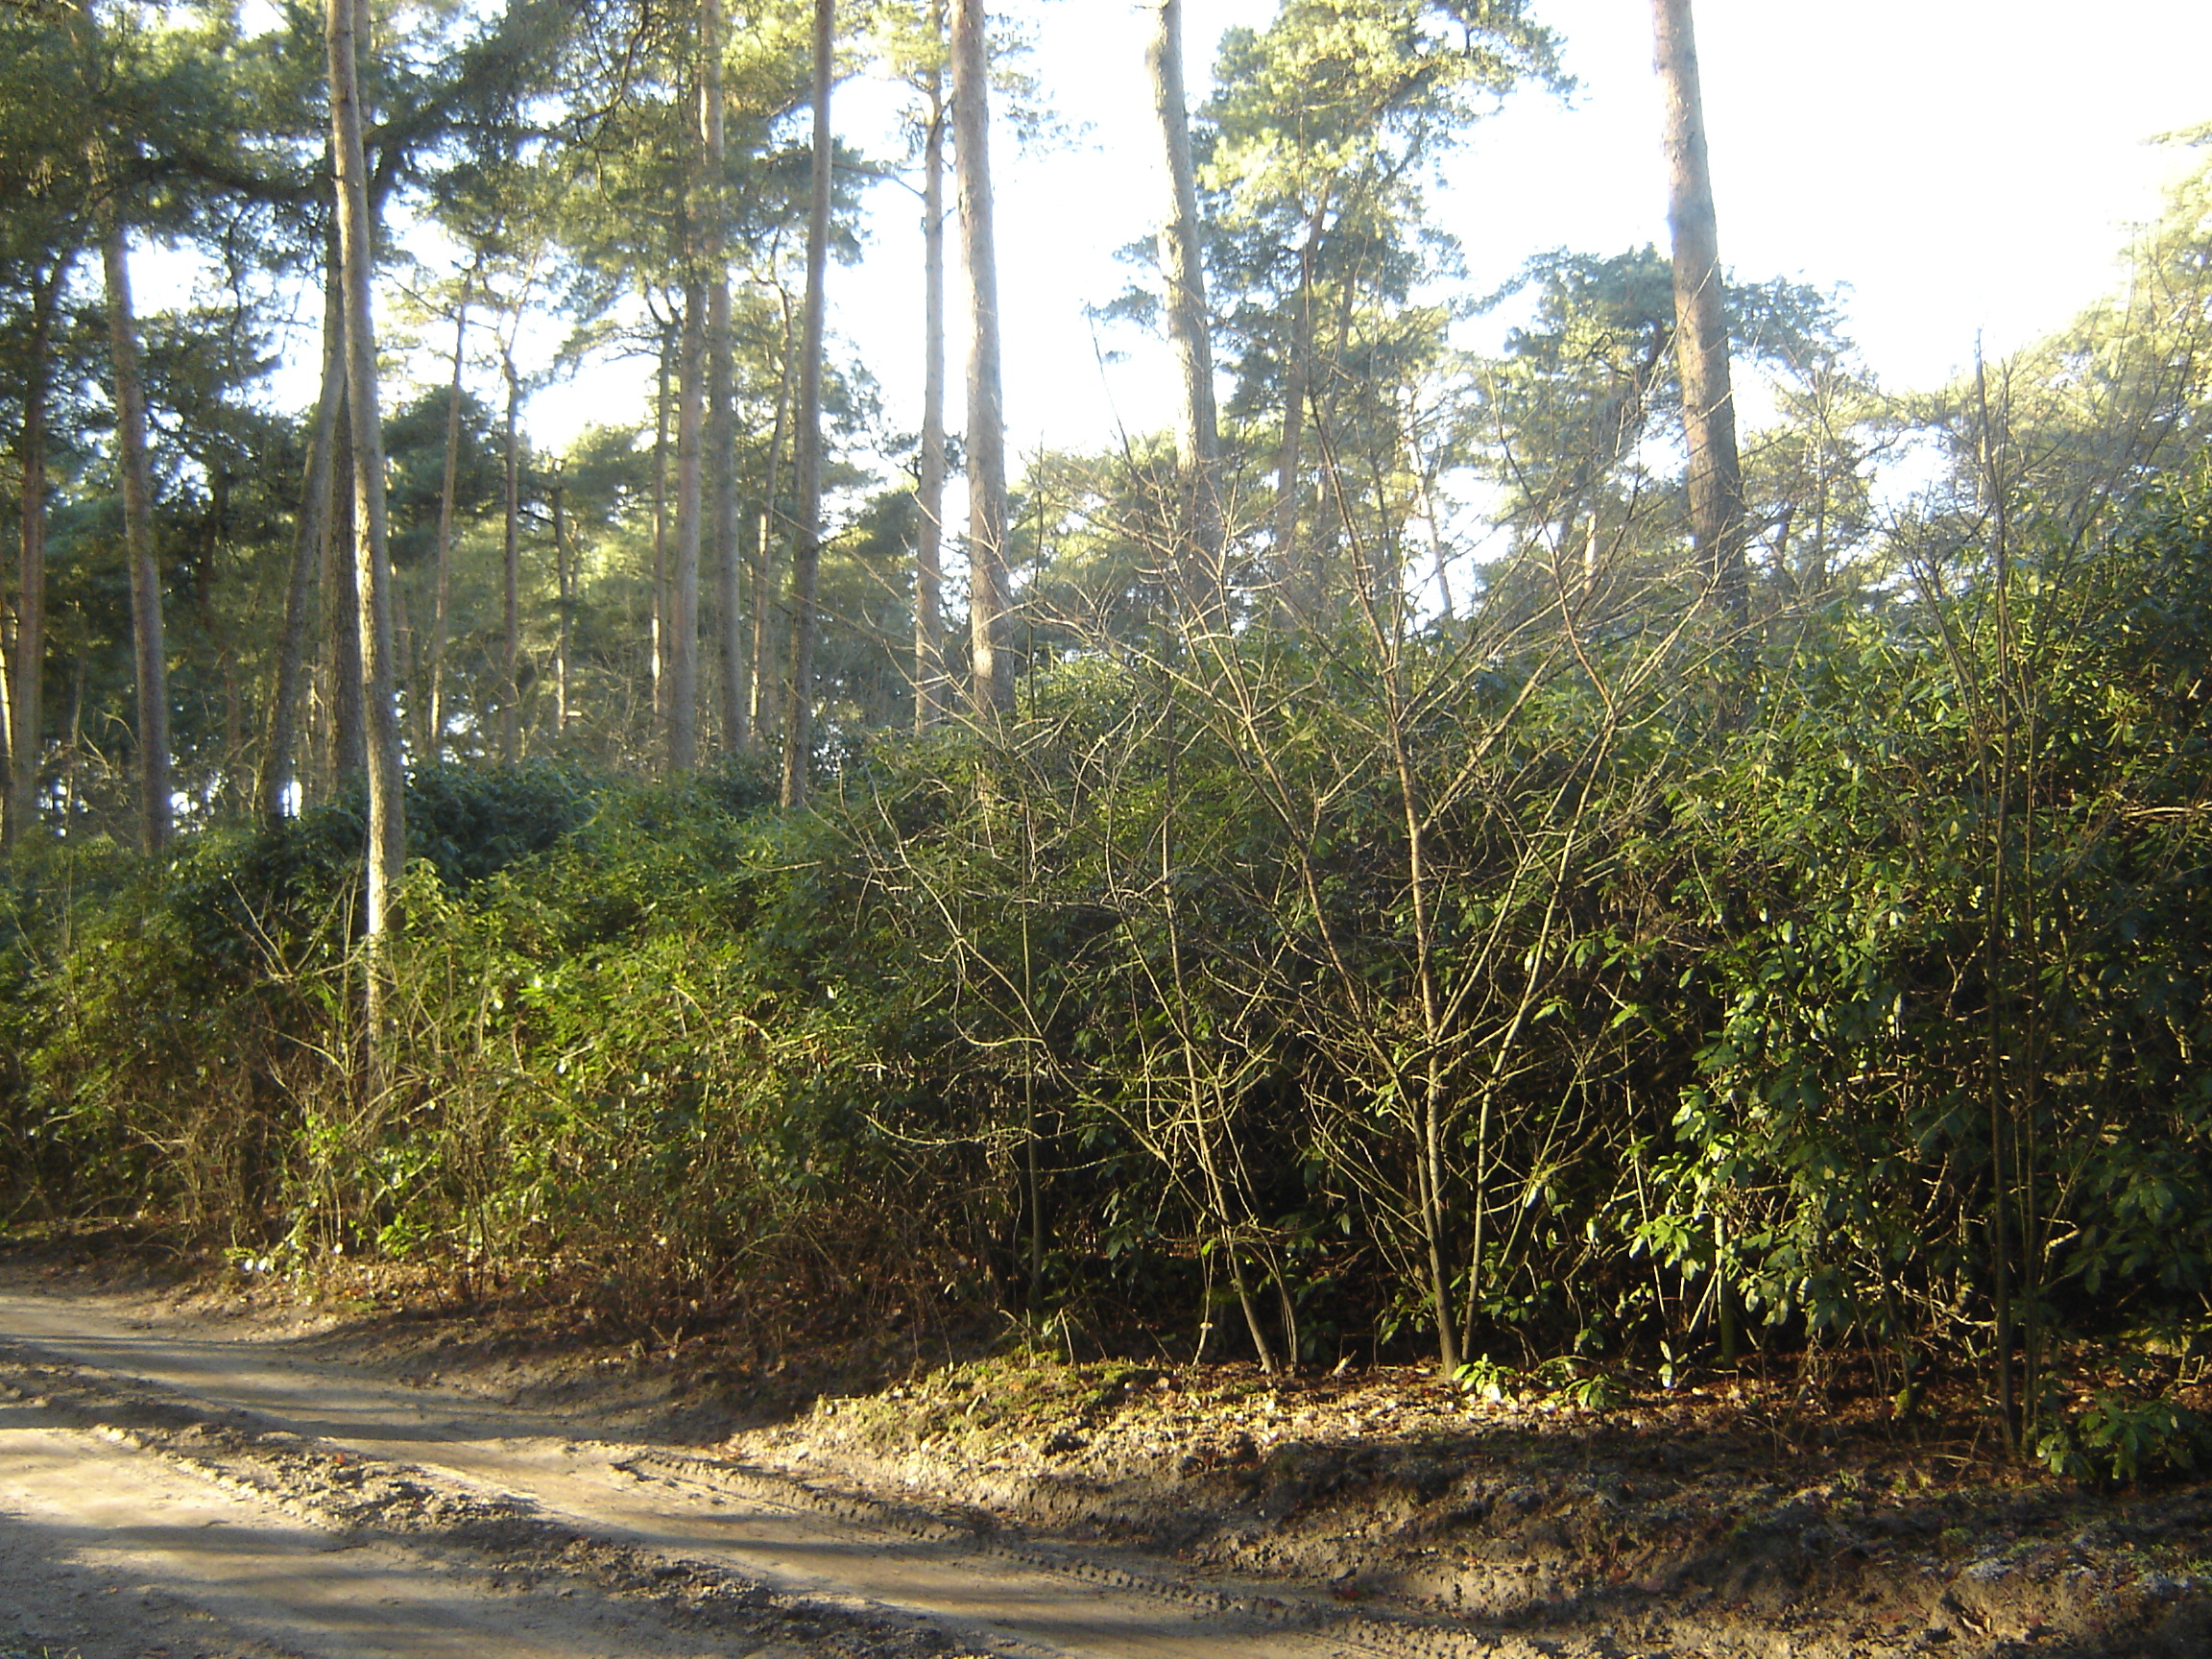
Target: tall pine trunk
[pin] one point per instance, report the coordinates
(26, 688)
(1299, 574)
(684, 600)
(387, 849)
(1717, 518)
(807, 554)
(991, 680)
(348, 748)
(929, 681)
(1182, 265)
(564, 578)
(670, 333)
(310, 538)
(154, 808)
(721, 390)
(764, 549)
(441, 581)
(510, 569)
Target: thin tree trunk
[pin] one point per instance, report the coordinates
(807, 554)
(669, 336)
(991, 678)
(1301, 586)
(1997, 992)
(564, 576)
(342, 614)
(27, 715)
(764, 556)
(154, 786)
(1197, 440)
(406, 657)
(310, 542)
(1430, 1160)
(929, 681)
(1426, 488)
(387, 849)
(72, 764)
(1717, 517)
(434, 734)
(7, 766)
(510, 579)
(683, 602)
(721, 390)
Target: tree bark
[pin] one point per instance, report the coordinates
(564, 576)
(807, 554)
(342, 612)
(7, 766)
(721, 390)
(27, 715)
(6, 733)
(310, 538)
(670, 333)
(991, 680)
(387, 849)
(1300, 585)
(1182, 266)
(1716, 516)
(929, 681)
(434, 732)
(684, 601)
(510, 579)
(764, 553)
(155, 810)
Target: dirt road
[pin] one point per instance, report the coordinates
(176, 1485)
(171, 1490)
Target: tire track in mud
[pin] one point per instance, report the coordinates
(498, 1491)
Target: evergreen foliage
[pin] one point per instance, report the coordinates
(1115, 1015)
(1418, 924)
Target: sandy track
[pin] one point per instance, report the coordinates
(260, 1573)
(204, 1567)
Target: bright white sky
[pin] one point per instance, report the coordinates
(1968, 167)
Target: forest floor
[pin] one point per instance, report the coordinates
(195, 1463)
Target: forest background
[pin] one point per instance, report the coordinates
(1453, 848)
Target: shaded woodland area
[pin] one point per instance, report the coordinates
(1759, 903)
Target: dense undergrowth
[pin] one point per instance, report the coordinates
(1303, 997)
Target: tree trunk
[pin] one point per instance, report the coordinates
(154, 786)
(683, 602)
(929, 682)
(8, 676)
(764, 554)
(991, 678)
(434, 730)
(8, 767)
(669, 335)
(27, 715)
(1182, 266)
(807, 554)
(310, 540)
(565, 579)
(510, 579)
(1300, 585)
(387, 851)
(1700, 320)
(721, 390)
(342, 613)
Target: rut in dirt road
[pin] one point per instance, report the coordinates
(535, 1484)
(106, 1549)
